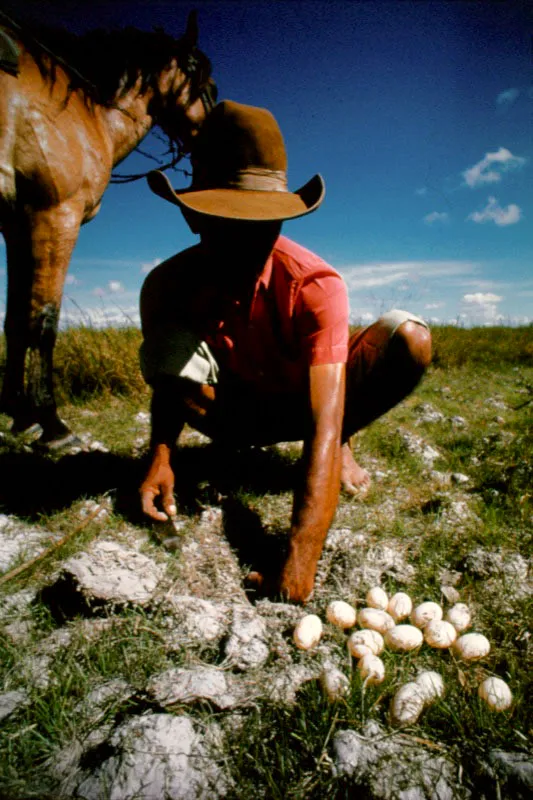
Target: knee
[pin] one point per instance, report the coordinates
(415, 342)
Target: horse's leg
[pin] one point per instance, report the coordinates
(13, 399)
(53, 235)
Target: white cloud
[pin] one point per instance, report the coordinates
(367, 276)
(493, 212)
(489, 169)
(507, 97)
(99, 292)
(362, 316)
(431, 306)
(100, 317)
(115, 287)
(71, 280)
(148, 266)
(436, 216)
(480, 309)
(422, 191)
(481, 298)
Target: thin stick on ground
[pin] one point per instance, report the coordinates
(27, 564)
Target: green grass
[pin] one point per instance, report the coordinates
(280, 752)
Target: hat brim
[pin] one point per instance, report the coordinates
(239, 204)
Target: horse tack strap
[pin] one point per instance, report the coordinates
(9, 54)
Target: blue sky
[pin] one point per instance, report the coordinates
(418, 115)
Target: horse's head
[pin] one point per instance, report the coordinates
(186, 90)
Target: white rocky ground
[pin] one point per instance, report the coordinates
(167, 752)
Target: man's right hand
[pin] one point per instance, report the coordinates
(159, 482)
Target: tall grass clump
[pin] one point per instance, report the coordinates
(89, 362)
(490, 347)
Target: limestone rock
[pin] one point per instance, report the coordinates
(246, 647)
(19, 541)
(515, 771)
(392, 768)
(426, 413)
(93, 706)
(282, 686)
(11, 701)
(198, 620)
(157, 756)
(114, 573)
(220, 688)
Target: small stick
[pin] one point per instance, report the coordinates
(14, 572)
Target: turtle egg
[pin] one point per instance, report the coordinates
(472, 646)
(341, 614)
(307, 632)
(440, 634)
(371, 668)
(377, 598)
(400, 606)
(376, 619)
(431, 685)
(495, 693)
(365, 642)
(407, 704)
(334, 683)
(403, 638)
(459, 616)
(424, 613)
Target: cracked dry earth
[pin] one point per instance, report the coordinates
(222, 652)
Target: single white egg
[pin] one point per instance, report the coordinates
(440, 634)
(460, 617)
(371, 668)
(377, 598)
(400, 606)
(431, 685)
(307, 632)
(341, 614)
(426, 612)
(472, 646)
(407, 704)
(334, 683)
(376, 619)
(495, 693)
(403, 638)
(365, 642)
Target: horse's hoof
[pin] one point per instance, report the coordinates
(69, 441)
(28, 431)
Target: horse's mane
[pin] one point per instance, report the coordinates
(101, 63)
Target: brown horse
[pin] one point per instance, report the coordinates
(72, 108)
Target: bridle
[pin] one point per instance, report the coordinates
(208, 95)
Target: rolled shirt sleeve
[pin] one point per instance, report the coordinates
(322, 316)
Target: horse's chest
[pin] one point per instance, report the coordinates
(59, 149)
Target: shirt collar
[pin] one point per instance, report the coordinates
(264, 278)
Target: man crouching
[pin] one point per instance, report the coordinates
(246, 336)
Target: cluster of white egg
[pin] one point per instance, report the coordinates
(381, 625)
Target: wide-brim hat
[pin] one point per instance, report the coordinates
(240, 170)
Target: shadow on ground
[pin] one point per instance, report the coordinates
(34, 484)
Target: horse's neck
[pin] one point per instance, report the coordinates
(128, 121)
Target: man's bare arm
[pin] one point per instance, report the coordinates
(316, 500)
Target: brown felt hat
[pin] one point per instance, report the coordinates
(240, 170)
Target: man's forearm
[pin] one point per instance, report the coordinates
(167, 417)
(315, 500)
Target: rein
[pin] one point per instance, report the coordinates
(121, 178)
(208, 96)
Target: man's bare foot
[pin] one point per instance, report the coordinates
(354, 479)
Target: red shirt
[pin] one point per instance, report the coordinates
(297, 318)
